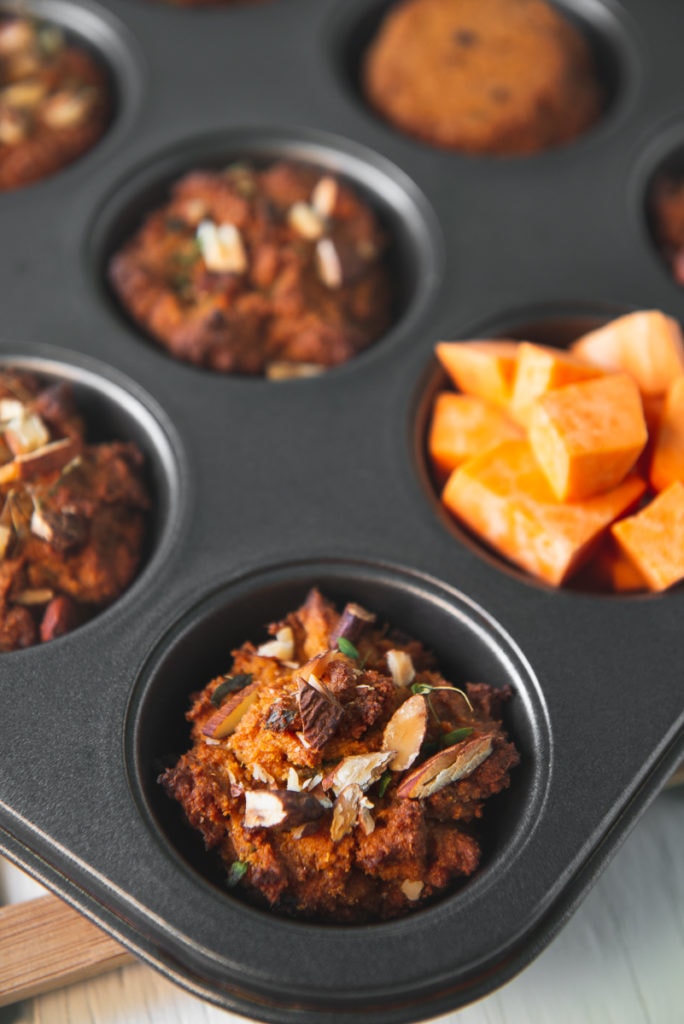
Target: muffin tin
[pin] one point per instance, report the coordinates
(263, 489)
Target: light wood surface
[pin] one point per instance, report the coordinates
(619, 960)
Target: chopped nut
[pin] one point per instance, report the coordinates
(281, 648)
(365, 818)
(66, 109)
(5, 537)
(32, 597)
(324, 196)
(23, 94)
(303, 219)
(405, 732)
(345, 812)
(293, 782)
(222, 248)
(291, 371)
(11, 409)
(320, 711)
(401, 668)
(412, 890)
(60, 617)
(47, 459)
(362, 769)
(228, 716)
(260, 774)
(13, 127)
(16, 35)
(328, 263)
(26, 433)
(449, 765)
(279, 808)
(351, 623)
(64, 531)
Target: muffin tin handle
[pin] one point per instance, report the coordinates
(45, 944)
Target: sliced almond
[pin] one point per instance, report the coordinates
(282, 370)
(345, 812)
(13, 127)
(405, 732)
(351, 623)
(319, 710)
(23, 95)
(401, 668)
(35, 596)
(282, 647)
(324, 196)
(66, 109)
(222, 248)
(361, 769)
(306, 221)
(228, 716)
(47, 459)
(26, 433)
(16, 35)
(449, 765)
(11, 409)
(328, 263)
(279, 808)
(5, 537)
(412, 890)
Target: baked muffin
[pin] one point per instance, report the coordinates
(667, 218)
(483, 76)
(72, 514)
(278, 270)
(54, 101)
(336, 772)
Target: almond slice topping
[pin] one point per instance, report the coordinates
(449, 765)
(405, 732)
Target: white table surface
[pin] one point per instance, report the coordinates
(619, 960)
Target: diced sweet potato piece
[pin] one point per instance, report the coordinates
(505, 498)
(654, 538)
(541, 368)
(463, 426)
(667, 457)
(610, 569)
(587, 436)
(648, 345)
(482, 368)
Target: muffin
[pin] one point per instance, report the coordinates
(483, 76)
(337, 773)
(279, 270)
(54, 101)
(72, 514)
(667, 218)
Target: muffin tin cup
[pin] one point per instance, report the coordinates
(266, 488)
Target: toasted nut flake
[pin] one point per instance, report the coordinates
(324, 196)
(222, 248)
(13, 127)
(11, 409)
(66, 109)
(321, 713)
(405, 732)
(228, 716)
(303, 219)
(328, 263)
(193, 210)
(361, 769)
(281, 648)
(64, 531)
(449, 765)
(23, 95)
(26, 433)
(312, 782)
(5, 537)
(47, 459)
(36, 596)
(365, 818)
(412, 890)
(293, 782)
(260, 774)
(346, 811)
(401, 668)
(281, 370)
(279, 808)
(16, 35)
(351, 623)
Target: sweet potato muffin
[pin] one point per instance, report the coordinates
(667, 218)
(482, 76)
(278, 270)
(54, 101)
(339, 776)
(72, 514)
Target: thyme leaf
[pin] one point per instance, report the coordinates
(237, 870)
(347, 647)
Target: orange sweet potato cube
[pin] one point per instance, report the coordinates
(667, 455)
(648, 345)
(482, 368)
(540, 369)
(587, 436)
(610, 569)
(463, 426)
(654, 538)
(504, 498)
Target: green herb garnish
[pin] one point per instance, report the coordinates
(230, 684)
(385, 780)
(426, 689)
(456, 735)
(347, 647)
(237, 870)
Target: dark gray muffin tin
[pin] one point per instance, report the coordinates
(264, 489)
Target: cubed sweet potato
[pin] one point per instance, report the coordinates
(482, 368)
(648, 345)
(463, 426)
(541, 368)
(587, 436)
(667, 455)
(504, 497)
(654, 538)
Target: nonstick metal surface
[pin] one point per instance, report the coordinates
(263, 489)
